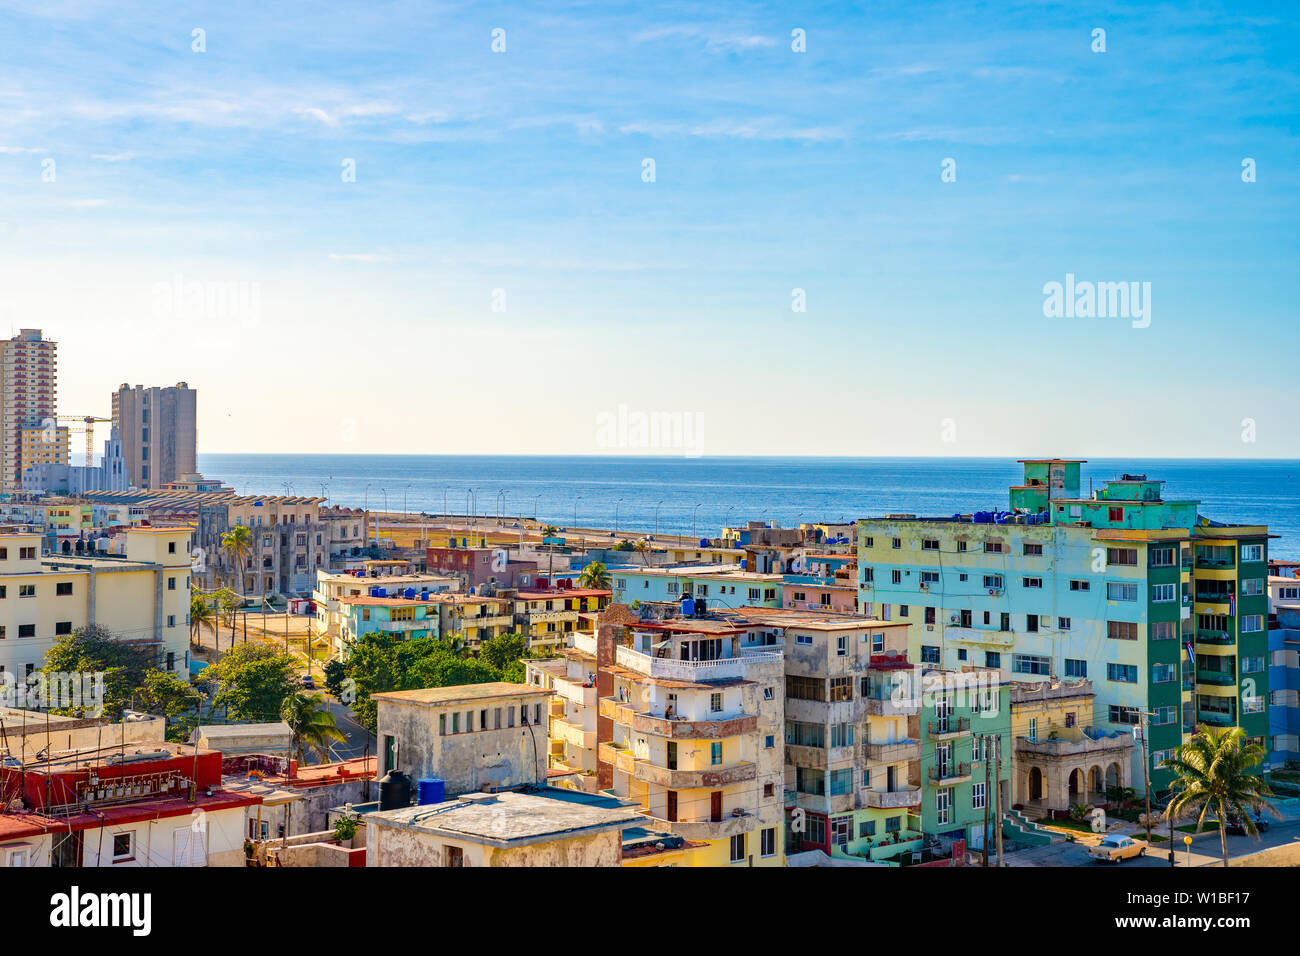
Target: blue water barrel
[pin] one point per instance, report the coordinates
(688, 607)
(430, 790)
(409, 593)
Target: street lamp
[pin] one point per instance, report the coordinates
(726, 519)
(536, 499)
(616, 504)
(501, 504)
(1188, 840)
(693, 511)
(657, 504)
(404, 491)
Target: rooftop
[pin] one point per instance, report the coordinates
(513, 818)
(438, 696)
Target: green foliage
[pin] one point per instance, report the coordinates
(171, 697)
(502, 650)
(335, 672)
(252, 681)
(312, 724)
(1214, 773)
(380, 662)
(594, 575)
(92, 649)
(345, 827)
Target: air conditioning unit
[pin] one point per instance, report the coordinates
(924, 586)
(954, 619)
(929, 627)
(994, 592)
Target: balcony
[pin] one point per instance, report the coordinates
(722, 669)
(946, 729)
(1217, 678)
(619, 711)
(582, 694)
(980, 635)
(677, 728)
(1215, 564)
(741, 772)
(1215, 719)
(945, 774)
(1215, 598)
(722, 829)
(895, 752)
(903, 706)
(573, 734)
(892, 799)
(617, 756)
(1214, 637)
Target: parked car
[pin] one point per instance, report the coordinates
(308, 682)
(1116, 848)
(1238, 828)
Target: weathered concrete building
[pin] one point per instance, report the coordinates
(473, 737)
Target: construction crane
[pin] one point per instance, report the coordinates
(89, 422)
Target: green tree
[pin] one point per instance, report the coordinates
(594, 575)
(200, 615)
(228, 602)
(335, 672)
(93, 649)
(643, 548)
(503, 650)
(251, 681)
(169, 696)
(1213, 773)
(312, 724)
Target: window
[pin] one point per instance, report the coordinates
(841, 688)
(1121, 630)
(841, 735)
(1164, 715)
(1252, 665)
(715, 703)
(993, 659)
(1123, 673)
(769, 741)
(841, 646)
(1162, 593)
(1255, 586)
(1252, 552)
(992, 547)
(26, 590)
(1124, 715)
(767, 842)
(26, 630)
(869, 542)
(1162, 557)
(26, 554)
(64, 588)
(902, 610)
(1114, 514)
(1031, 582)
(1031, 623)
(1074, 667)
(1029, 664)
(803, 639)
(1121, 591)
(929, 544)
(1080, 586)
(1163, 673)
(1250, 623)
(715, 753)
(893, 824)
(452, 856)
(896, 576)
(1062, 623)
(866, 828)
(929, 577)
(1123, 557)
(977, 797)
(805, 688)
(1033, 550)
(737, 848)
(1163, 630)
(961, 545)
(929, 654)
(896, 543)
(993, 581)
(65, 627)
(123, 846)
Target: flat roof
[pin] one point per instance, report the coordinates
(438, 696)
(513, 818)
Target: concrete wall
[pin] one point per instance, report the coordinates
(391, 846)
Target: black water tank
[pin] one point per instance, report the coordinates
(394, 791)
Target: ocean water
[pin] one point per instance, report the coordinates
(698, 495)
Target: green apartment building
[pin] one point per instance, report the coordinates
(1165, 610)
(965, 730)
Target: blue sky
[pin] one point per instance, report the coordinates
(774, 170)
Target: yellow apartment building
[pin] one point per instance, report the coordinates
(141, 596)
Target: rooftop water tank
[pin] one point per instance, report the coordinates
(430, 790)
(394, 791)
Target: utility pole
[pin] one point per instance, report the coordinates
(984, 848)
(997, 786)
(1146, 772)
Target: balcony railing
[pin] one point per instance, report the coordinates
(949, 773)
(719, 669)
(1218, 678)
(1215, 719)
(895, 752)
(892, 799)
(950, 727)
(1214, 637)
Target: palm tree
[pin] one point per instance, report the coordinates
(594, 575)
(642, 547)
(200, 614)
(311, 723)
(1213, 773)
(237, 544)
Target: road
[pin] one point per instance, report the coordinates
(1205, 850)
(358, 738)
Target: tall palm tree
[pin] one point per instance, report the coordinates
(1213, 773)
(237, 544)
(311, 723)
(642, 547)
(594, 575)
(200, 614)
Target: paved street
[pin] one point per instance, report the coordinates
(1205, 850)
